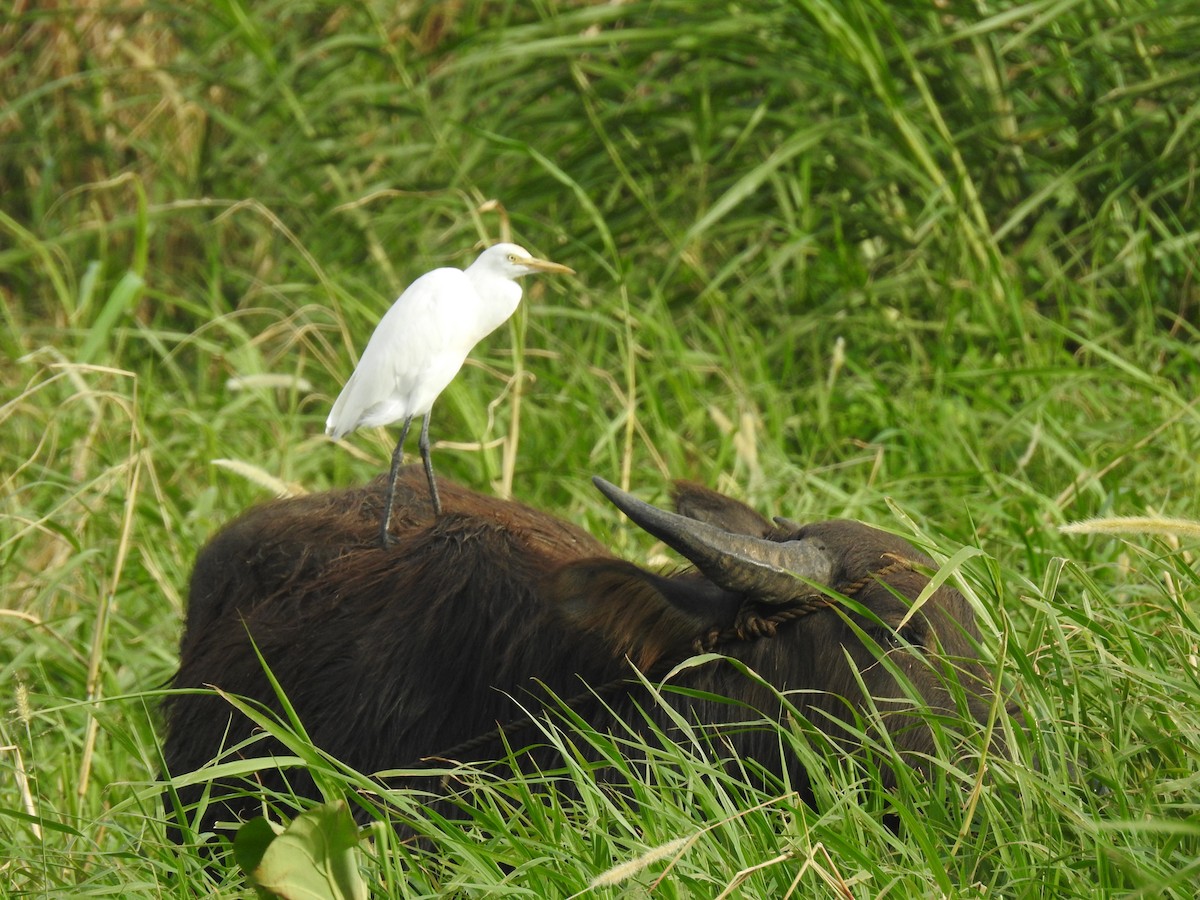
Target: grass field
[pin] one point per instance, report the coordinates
(932, 267)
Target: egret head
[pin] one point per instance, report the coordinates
(513, 261)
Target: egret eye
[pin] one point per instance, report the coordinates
(512, 257)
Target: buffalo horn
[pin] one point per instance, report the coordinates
(770, 571)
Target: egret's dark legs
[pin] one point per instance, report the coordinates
(385, 521)
(423, 446)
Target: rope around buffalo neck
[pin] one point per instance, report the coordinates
(751, 625)
(748, 625)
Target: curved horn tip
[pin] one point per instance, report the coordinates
(622, 500)
(603, 485)
(611, 492)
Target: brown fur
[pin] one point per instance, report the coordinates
(392, 656)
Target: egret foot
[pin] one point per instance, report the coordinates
(385, 520)
(423, 446)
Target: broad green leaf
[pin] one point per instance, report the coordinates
(251, 842)
(315, 858)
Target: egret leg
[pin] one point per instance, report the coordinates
(423, 446)
(385, 522)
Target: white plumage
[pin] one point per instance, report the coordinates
(421, 343)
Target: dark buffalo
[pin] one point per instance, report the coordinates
(393, 656)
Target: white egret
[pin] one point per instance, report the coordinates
(421, 343)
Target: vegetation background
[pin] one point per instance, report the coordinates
(933, 266)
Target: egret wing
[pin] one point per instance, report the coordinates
(414, 352)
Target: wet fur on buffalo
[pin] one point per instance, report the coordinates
(392, 656)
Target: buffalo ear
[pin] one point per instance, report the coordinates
(641, 615)
(706, 505)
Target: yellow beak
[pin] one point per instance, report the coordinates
(550, 268)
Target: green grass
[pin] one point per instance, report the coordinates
(933, 268)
